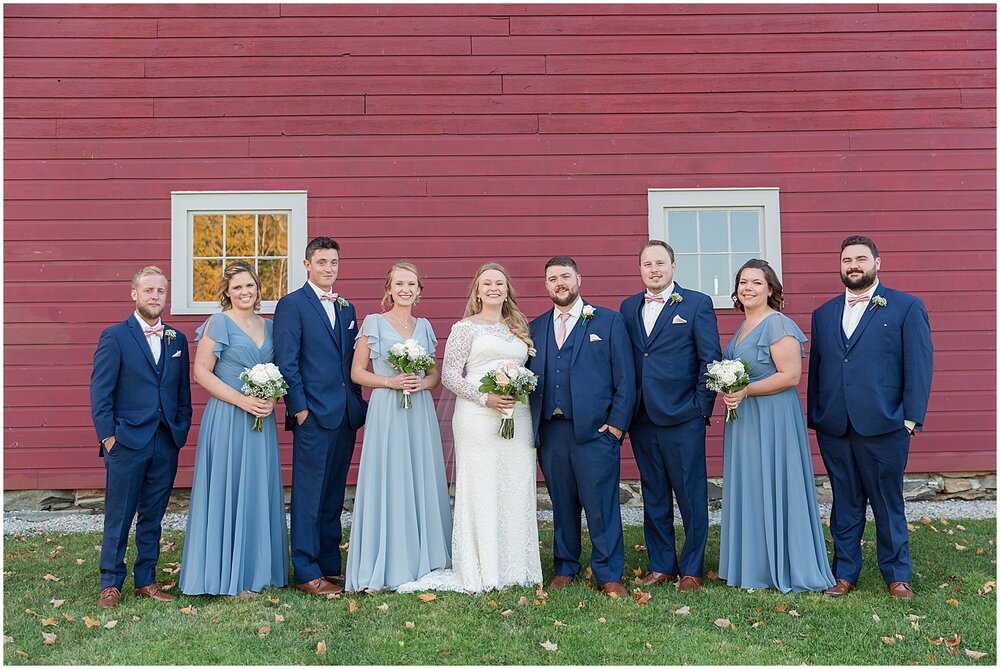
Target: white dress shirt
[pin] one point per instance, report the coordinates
(852, 315)
(651, 310)
(154, 341)
(574, 316)
(329, 305)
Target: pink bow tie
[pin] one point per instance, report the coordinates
(332, 297)
(155, 330)
(653, 298)
(852, 299)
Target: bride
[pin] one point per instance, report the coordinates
(495, 537)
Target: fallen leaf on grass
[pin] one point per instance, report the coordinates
(683, 611)
(980, 550)
(987, 587)
(69, 618)
(110, 625)
(641, 597)
(7, 639)
(928, 523)
(278, 618)
(79, 561)
(321, 648)
(942, 586)
(90, 622)
(943, 520)
(712, 575)
(723, 623)
(507, 613)
(429, 597)
(757, 624)
(523, 601)
(274, 600)
(540, 592)
(793, 613)
(960, 547)
(888, 640)
(581, 605)
(951, 602)
(779, 642)
(51, 577)
(263, 631)
(549, 646)
(974, 654)
(352, 606)
(56, 552)
(21, 653)
(781, 608)
(189, 610)
(167, 585)
(649, 646)
(382, 607)
(492, 604)
(953, 640)
(559, 623)
(900, 637)
(346, 545)
(308, 630)
(588, 574)
(48, 638)
(167, 547)
(56, 603)
(911, 527)
(31, 613)
(602, 619)
(410, 624)
(333, 595)
(637, 571)
(136, 619)
(639, 548)
(875, 617)
(935, 642)
(49, 622)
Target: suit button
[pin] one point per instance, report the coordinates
(557, 385)
(343, 385)
(845, 359)
(645, 355)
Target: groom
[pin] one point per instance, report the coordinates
(140, 401)
(674, 336)
(580, 409)
(869, 382)
(314, 331)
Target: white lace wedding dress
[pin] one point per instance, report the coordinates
(495, 534)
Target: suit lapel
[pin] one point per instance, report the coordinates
(164, 348)
(865, 318)
(666, 314)
(581, 330)
(141, 342)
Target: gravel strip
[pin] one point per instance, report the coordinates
(39, 522)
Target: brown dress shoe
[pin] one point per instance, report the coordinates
(319, 586)
(900, 590)
(560, 582)
(614, 589)
(154, 591)
(689, 583)
(336, 580)
(656, 578)
(840, 588)
(109, 597)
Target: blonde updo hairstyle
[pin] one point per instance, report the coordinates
(409, 267)
(512, 316)
(232, 270)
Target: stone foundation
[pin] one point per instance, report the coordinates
(922, 487)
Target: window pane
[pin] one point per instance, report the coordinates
(240, 234)
(714, 233)
(682, 231)
(686, 273)
(273, 235)
(207, 274)
(745, 231)
(737, 261)
(273, 278)
(207, 236)
(715, 278)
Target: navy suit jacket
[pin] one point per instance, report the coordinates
(315, 360)
(602, 374)
(670, 363)
(130, 395)
(879, 377)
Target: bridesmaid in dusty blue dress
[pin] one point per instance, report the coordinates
(771, 531)
(236, 541)
(401, 525)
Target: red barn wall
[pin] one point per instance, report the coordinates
(455, 134)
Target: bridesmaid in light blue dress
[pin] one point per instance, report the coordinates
(401, 525)
(236, 541)
(771, 531)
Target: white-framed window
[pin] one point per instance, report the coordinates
(713, 231)
(210, 229)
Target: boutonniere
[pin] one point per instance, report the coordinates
(878, 301)
(588, 312)
(341, 302)
(170, 334)
(675, 298)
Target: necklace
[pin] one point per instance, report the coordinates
(405, 327)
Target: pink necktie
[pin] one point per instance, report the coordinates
(855, 299)
(332, 297)
(653, 298)
(561, 329)
(155, 330)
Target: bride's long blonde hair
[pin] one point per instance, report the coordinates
(512, 316)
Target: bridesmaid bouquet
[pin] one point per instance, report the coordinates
(728, 376)
(513, 380)
(263, 381)
(409, 358)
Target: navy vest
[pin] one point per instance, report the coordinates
(557, 365)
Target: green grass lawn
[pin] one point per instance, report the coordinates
(283, 626)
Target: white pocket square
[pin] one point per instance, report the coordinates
(351, 326)
(176, 355)
(594, 337)
(678, 320)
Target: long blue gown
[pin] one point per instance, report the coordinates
(236, 533)
(771, 531)
(401, 525)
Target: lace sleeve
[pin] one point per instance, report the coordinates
(456, 353)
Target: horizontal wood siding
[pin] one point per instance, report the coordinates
(456, 134)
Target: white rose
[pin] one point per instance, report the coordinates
(397, 349)
(273, 372)
(259, 376)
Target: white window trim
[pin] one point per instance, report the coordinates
(182, 203)
(708, 198)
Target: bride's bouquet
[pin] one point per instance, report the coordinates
(263, 381)
(728, 376)
(513, 380)
(409, 358)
